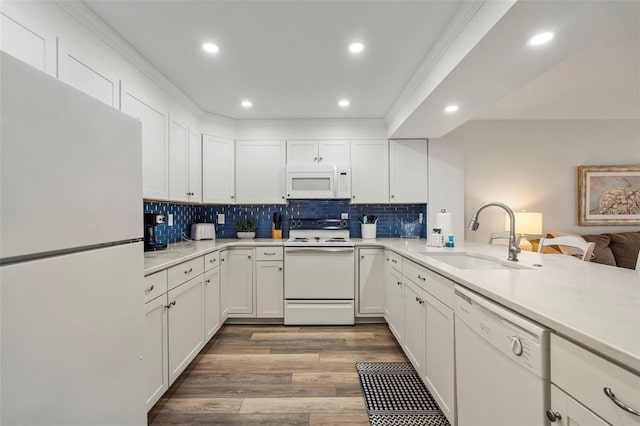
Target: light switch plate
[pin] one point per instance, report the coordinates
(221, 219)
(170, 219)
(344, 215)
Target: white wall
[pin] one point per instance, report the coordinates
(532, 165)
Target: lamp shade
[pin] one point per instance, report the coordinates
(527, 223)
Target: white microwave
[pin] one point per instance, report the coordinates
(314, 182)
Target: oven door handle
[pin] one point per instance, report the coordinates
(319, 249)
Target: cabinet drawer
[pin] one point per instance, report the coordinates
(185, 271)
(268, 253)
(394, 260)
(155, 285)
(211, 260)
(438, 286)
(584, 375)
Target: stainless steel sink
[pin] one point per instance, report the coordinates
(473, 261)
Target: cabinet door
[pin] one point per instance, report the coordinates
(387, 287)
(156, 361)
(414, 318)
(186, 324)
(155, 150)
(211, 303)
(218, 170)
(369, 171)
(334, 152)
(439, 354)
(270, 289)
(302, 152)
(260, 172)
(571, 412)
(370, 281)
(397, 306)
(224, 285)
(178, 141)
(408, 174)
(88, 72)
(240, 275)
(194, 166)
(26, 39)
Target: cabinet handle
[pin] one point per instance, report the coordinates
(393, 196)
(270, 254)
(283, 197)
(387, 259)
(233, 196)
(394, 261)
(421, 301)
(315, 158)
(625, 407)
(147, 290)
(353, 196)
(173, 303)
(417, 298)
(222, 260)
(170, 305)
(189, 271)
(207, 281)
(553, 416)
(249, 257)
(320, 159)
(399, 283)
(280, 268)
(213, 260)
(361, 257)
(420, 277)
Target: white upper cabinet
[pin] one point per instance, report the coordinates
(408, 173)
(194, 166)
(218, 170)
(369, 171)
(260, 172)
(26, 39)
(88, 71)
(318, 152)
(178, 143)
(155, 149)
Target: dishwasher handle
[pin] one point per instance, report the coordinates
(319, 249)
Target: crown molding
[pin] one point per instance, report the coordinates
(83, 14)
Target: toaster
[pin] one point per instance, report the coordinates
(203, 231)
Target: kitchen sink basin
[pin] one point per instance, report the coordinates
(473, 261)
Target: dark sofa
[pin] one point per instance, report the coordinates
(616, 249)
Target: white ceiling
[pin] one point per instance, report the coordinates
(290, 58)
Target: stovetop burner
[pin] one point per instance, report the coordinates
(319, 232)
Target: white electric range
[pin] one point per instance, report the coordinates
(319, 279)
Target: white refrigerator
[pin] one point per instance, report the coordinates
(71, 256)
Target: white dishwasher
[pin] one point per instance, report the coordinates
(502, 365)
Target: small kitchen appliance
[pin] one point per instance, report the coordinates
(151, 220)
(203, 231)
(320, 274)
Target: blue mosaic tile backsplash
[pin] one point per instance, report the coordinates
(389, 216)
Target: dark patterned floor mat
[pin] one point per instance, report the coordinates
(395, 395)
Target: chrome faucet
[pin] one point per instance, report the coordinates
(513, 247)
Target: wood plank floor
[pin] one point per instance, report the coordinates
(277, 375)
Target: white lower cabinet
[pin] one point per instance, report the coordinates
(185, 324)
(371, 266)
(270, 289)
(240, 283)
(212, 320)
(414, 319)
(569, 412)
(224, 285)
(439, 355)
(156, 356)
(587, 388)
(396, 306)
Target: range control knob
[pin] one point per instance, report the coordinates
(343, 224)
(516, 345)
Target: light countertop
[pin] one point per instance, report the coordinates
(596, 305)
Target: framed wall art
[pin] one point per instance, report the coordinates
(609, 195)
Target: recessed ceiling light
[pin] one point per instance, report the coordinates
(210, 47)
(343, 103)
(541, 38)
(246, 104)
(451, 108)
(356, 47)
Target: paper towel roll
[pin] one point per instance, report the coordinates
(443, 221)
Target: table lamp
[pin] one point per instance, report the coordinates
(527, 223)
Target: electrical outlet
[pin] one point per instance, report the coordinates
(221, 219)
(170, 219)
(344, 215)
(420, 218)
